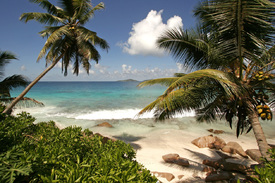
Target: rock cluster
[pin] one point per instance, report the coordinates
(218, 169)
(215, 142)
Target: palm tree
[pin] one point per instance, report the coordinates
(233, 51)
(10, 82)
(67, 40)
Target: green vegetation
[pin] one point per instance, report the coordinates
(44, 153)
(232, 53)
(68, 41)
(265, 174)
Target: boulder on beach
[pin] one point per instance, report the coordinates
(105, 124)
(176, 159)
(218, 177)
(233, 148)
(206, 141)
(167, 176)
(254, 154)
(219, 143)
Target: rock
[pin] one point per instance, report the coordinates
(205, 141)
(209, 170)
(218, 132)
(219, 143)
(218, 177)
(215, 131)
(229, 166)
(225, 156)
(176, 159)
(105, 124)
(254, 154)
(168, 176)
(210, 130)
(233, 148)
(180, 176)
(182, 162)
(213, 163)
(170, 158)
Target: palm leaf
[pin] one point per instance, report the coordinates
(43, 18)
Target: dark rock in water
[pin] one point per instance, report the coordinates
(218, 132)
(168, 176)
(254, 154)
(210, 130)
(215, 131)
(105, 124)
(176, 159)
(218, 177)
(233, 148)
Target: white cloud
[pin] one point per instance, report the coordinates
(142, 40)
(23, 68)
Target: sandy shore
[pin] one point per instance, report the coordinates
(153, 146)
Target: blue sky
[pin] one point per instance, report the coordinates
(129, 26)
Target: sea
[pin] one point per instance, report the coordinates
(87, 104)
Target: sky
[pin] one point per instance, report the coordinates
(130, 27)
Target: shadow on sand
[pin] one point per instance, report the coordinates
(129, 139)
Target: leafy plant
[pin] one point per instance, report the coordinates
(44, 153)
(266, 173)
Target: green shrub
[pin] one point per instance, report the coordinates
(266, 174)
(44, 153)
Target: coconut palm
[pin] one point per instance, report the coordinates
(9, 82)
(68, 41)
(235, 56)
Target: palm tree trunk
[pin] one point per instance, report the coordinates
(27, 89)
(259, 133)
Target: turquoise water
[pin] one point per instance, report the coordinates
(87, 104)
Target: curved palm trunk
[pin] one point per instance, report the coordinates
(27, 89)
(259, 133)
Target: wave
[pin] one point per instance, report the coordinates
(124, 114)
(105, 114)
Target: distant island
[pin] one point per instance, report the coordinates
(128, 80)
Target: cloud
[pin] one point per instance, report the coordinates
(142, 40)
(23, 68)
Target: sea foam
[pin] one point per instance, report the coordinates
(124, 114)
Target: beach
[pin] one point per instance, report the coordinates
(87, 104)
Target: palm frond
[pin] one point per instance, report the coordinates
(12, 82)
(49, 7)
(161, 81)
(90, 14)
(5, 57)
(224, 79)
(43, 18)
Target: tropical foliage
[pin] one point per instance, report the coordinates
(233, 47)
(8, 83)
(68, 40)
(44, 153)
(265, 173)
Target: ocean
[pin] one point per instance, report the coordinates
(88, 104)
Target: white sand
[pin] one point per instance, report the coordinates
(158, 143)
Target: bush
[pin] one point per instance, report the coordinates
(266, 174)
(44, 153)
